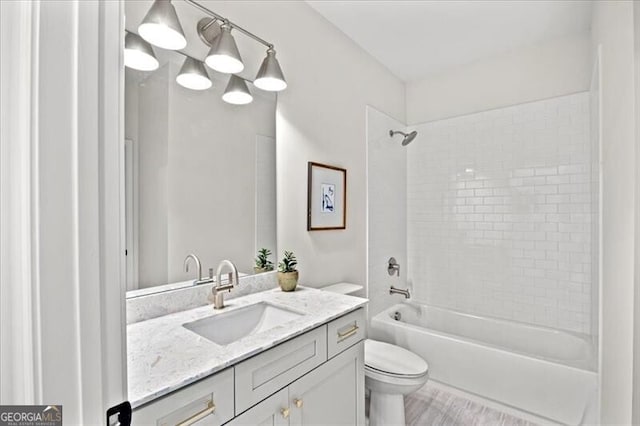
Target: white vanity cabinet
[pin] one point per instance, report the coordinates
(331, 394)
(207, 402)
(262, 375)
(273, 411)
(316, 378)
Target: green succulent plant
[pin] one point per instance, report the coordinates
(288, 263)
(262, 261)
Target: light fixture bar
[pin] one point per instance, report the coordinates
(211, 22)
(225, 20)
(248, 80)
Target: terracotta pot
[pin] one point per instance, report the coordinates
(288, 280)
(257, 270)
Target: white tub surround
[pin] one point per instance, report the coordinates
(164, 356)
(500, 212)
(534, 369)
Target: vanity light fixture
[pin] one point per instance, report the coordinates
(270, 76)
(208, 29)
(138, 54)
(161, 26)
(193, 75)
(237, 92)
(224, 56)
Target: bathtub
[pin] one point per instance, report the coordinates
(543, 371)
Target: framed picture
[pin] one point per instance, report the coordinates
(326, 197)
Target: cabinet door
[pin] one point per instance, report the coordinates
(273, 411)
(332, 394)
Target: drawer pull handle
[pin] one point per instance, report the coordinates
(285, 413)
(353, 330)
(211, 407)
(298, 402)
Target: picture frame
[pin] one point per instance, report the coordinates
(326, 197)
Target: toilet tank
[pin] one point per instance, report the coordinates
(344, 288)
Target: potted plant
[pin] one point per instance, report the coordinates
(263, 264)
(287, 272)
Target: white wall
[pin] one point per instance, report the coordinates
(499, 213)
(320, 117)
(613, 28)
(387, 215)
(65, 302)
(538, 72)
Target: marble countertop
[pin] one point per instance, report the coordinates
(163, 356)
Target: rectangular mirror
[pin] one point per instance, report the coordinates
(200, 174)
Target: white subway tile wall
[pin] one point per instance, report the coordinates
(500, 210)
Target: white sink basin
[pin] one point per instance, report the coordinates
(234, 325)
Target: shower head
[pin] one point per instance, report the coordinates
(408, 137)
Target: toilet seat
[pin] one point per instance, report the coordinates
(393, 361)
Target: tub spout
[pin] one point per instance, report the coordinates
(405, 292)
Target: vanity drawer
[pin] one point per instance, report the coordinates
(270, 371)
(207, 402)
(345, 332)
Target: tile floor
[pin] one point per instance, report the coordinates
(433, 405)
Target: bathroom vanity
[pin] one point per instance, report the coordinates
(267, 358)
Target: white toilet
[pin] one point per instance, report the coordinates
(391, 372)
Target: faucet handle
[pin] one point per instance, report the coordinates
(393, 267)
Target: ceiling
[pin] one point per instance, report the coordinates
(417, 38)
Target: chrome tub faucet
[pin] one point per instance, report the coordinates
(405, 293)
(393, 267)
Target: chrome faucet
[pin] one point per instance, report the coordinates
(405, 293)
(199, 280)
(218, 288)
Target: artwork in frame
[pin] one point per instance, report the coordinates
(326, 197)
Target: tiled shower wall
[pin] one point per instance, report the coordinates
(500, 210)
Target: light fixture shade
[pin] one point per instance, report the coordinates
(193, 75)
(224, 56)
(161, 26)
(270, 76)
(138, 54)
(237, 92)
